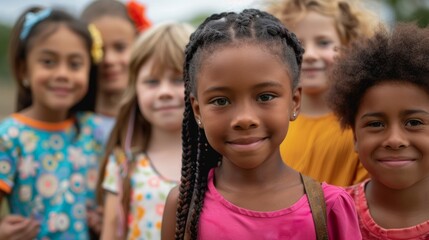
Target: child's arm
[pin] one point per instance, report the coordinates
(15, 227)
(168, 228)
(110, 218)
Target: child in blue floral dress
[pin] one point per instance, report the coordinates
(48, 149)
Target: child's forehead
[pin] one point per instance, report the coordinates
(394, 95)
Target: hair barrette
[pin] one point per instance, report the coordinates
(31, 19)
(97, 44)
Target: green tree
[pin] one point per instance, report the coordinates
(4, 43)
(410, 10)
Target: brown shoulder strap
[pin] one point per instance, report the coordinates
(316, 200)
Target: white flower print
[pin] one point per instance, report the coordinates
(79, 211)
(27, 167)
(63, 191)
(77, 157)
(56, 142)
(49, 163)
(5, 167)
(13, 132)
(47, 185)
(58, 222)
(77, 183)
(29, 140)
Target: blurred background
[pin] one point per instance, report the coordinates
(192, 11)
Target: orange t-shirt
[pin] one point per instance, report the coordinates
(320, 148)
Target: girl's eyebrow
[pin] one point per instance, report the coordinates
(403, 113)
(51, 52)
(257, 86)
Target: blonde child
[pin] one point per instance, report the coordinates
(145, 145)
(241, 90)
(316, 145)
(119, 25)
(381, 91)
(48, 151)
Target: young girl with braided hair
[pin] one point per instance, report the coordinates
(48, 148)
(143, 154)
(381, 91)
(241, 90)
(316, 145)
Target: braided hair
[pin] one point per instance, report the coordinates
(219, 30)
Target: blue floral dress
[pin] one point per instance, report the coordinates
(49, 172)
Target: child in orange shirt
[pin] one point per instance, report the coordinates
(315, 144)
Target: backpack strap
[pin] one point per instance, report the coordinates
(316, 200)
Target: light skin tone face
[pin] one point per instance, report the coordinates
(320, 39)
(118, 36)
(57, 68)
(392, 134)
(245, 102)
(161, 97)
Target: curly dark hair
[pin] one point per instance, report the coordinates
(217, 31)
(399, 56)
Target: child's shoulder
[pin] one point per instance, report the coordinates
(335, 195)
(10, 123)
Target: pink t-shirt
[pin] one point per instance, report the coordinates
(220, 219)
(371, 230)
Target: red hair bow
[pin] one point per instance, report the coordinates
(136, 11)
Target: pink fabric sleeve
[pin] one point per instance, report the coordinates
(342, 217)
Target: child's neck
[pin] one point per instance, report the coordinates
(165, 152)
(44, 115)
(314, 105)
(108, 104)
(398, 208)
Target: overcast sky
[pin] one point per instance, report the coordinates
(157, 10)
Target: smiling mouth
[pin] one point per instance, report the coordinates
(396, 163)
(166, 108)
(246, 144)
(60, 90)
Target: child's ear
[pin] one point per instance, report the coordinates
(196, 109)
(296, 103)
(23, 74)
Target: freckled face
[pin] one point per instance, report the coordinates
(392, 134)
(245, 102)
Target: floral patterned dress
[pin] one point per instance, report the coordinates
(148, 196)
(49, 172)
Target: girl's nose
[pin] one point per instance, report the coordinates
(63, 71)
(310, 53)
(165, 89)
(245, 118)
(396, 138)
(109, 56)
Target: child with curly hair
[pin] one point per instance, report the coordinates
(316, 145)
(381, 91)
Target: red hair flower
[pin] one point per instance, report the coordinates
(137, 11)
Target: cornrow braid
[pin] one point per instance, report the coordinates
(199, 157)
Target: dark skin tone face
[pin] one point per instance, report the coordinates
(244, 102)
